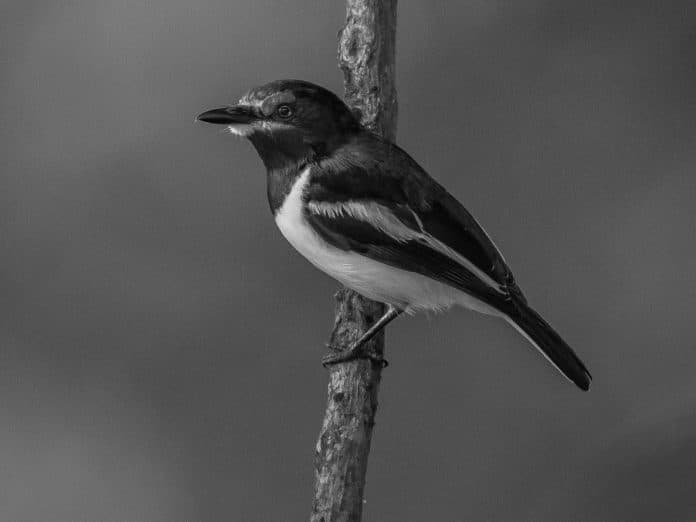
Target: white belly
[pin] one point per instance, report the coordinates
(407, 290)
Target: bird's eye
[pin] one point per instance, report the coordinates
(284, 111)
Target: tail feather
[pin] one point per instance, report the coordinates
(538, 332)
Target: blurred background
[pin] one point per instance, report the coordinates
(160, 341)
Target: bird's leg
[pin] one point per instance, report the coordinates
(357, 350)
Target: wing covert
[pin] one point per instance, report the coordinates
(379, 171)
(393, 236)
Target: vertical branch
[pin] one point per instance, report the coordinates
(366, 54)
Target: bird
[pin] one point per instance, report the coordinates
(360, 209)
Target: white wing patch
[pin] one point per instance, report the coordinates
(376, 215)
(384, 220)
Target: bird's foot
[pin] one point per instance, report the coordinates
(352, 353)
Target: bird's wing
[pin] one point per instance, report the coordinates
(384, 206)
(375, 200)
(386, 235)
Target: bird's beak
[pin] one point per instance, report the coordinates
(236, 115)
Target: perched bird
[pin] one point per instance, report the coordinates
(362, 210)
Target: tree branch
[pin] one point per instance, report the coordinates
(366, 54)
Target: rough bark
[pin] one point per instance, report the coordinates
(366, 56)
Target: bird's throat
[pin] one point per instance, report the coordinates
(281, 150)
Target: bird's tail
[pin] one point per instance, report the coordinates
(538, 332)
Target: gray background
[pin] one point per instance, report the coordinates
(160, 341)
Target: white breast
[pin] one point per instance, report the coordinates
(407, 290)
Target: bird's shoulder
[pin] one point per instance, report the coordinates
(364, 167)
(369, 168)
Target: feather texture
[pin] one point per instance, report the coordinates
(388, 283)
(362, 210)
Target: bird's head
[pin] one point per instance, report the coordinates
(288, 121)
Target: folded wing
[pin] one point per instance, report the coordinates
(395, 235)
(379, 172)
(376, 200)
